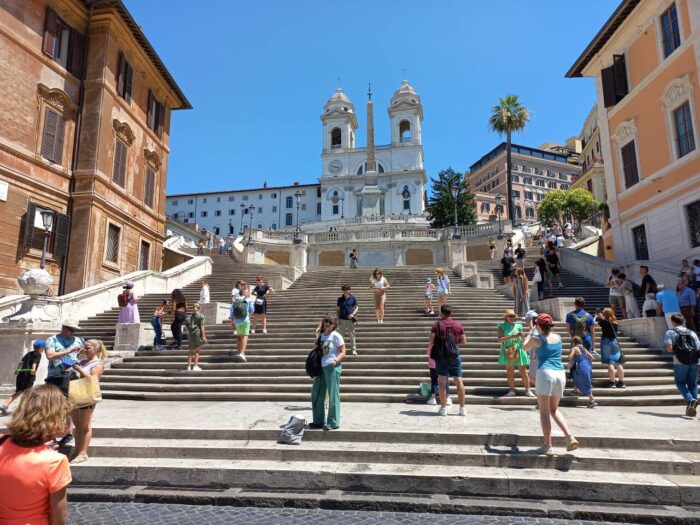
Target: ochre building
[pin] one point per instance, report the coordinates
(84, 131)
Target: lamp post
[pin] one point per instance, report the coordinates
(342, 208)
(297, 231)
(250, 229)
(499, 204)
(455, 193)
(230, 227)
(47, 220)
(242, 213)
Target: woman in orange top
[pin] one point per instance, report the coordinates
(34, 477)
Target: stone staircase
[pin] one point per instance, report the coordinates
(391, 361)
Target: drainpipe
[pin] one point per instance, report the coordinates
(76, 150)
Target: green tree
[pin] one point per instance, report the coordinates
(507, 116)
(441, 204)
(552, 207)
(580, 205)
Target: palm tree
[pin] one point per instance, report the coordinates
(506, 117)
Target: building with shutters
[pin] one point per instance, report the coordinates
(84, 132)
(534, 172)
(645, 64)
(356, 183)
(592, 176)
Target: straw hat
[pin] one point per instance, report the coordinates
(70, 323)
(508, 313)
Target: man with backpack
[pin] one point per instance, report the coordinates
(446, 336)
(580, 323)
(685, 346)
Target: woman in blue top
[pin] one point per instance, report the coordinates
(550, 381)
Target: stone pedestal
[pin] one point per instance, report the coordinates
(298, 256)
(215, 313)
(371, 196)
(129, 337)
(456, 252)
(557, 307)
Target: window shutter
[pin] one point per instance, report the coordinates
(149, 187)
(58, 148)
(62, 231)
(620, 69)
(129, 81)
(160, 118)
(77, 46)
(29, 226)
(150, 117)
(607, 76)
(48, 139)
(50, 23)
(120, 74)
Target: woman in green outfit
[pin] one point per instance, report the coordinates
(196, 338)
(333, 353)
(510, 335)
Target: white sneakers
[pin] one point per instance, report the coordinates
(193, 368)
(530, 393)
(448, 402)
(431, 401)
(511, 393)
(442, 411)
(462, 411)
(252, 330)
(264, 331)
(242, 358)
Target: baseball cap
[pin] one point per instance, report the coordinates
(39, 343)
(531, 314)
(545, 320)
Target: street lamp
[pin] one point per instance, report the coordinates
(47, 220)
(230, 227)
(297, 231)
(242, 213)
(455, 194)
(499, 207)
(342, 208)
(250, 229)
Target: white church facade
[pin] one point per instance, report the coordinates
(357, 184)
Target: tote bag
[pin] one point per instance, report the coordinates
(84, 392)
(537, 278)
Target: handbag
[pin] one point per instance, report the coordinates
(259, 301)
(84, 392)
(537, 278)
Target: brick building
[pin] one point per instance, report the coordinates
(84, 132)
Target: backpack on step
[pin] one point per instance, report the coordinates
(580, 324)
(240, 309)
(685, 349)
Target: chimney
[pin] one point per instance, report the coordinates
(265, 184)
(296, 183)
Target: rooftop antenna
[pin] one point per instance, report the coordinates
(369, 92)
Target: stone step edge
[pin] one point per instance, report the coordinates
(433, 503)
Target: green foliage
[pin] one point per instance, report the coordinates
(441, 203)
(508, 115)
(558, 205)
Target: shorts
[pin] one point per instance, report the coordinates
(550, 382)
(442, 293)
(554, 270)
(428, 297)
(609, 351)
(617, 300)
(24, 381)
(447, 369)
(243, 328)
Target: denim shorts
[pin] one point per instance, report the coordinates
(449, 369)
(609, 351)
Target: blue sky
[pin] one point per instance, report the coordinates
(258, 74)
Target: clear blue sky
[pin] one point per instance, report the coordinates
(258, 74)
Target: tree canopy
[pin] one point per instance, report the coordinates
(558, 205)
(441, 203)
(508, 115)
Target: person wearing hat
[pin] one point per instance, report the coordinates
(510, 335)
(26, 373)
(129, 312)
(551, 380)
(62, 352)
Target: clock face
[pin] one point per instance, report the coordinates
(405, 161)
(335, 166)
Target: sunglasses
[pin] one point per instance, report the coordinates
(328, 321)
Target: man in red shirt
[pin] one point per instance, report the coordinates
(448, 331)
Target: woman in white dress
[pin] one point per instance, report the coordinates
(379, 285)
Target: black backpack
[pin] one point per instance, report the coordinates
(444, 346)
(685, 349)
(313, 360)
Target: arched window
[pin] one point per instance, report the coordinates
(363, 168)
(274, 225)
(405, 131)
(530, 212)
(336, 138)
(259, 226)
(289, 202)
(288, 219)
(216, 230)
(406, 194)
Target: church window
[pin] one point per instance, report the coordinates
(288, 219)
(405, 131)
(274, 225)
(318, 208)
(363, 168)
(336, 209)
(406, 194)
(289, 202)
(336, 138)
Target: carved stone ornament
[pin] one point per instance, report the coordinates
(59, 100)
(152, 159)
(124, 132)
(677, 91)
(626, 131)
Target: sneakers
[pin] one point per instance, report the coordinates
(235, 333)
(264, 331)
(189, 368)
(571, 443)
(692, 408)
(3, 410)
(462, 411)
(432, 312)
(511, 393)
(592, 404)
(354, 351)
(442, 411)
(612, 384)
(80, 458)
(561, 285)
(316, 426)
(619, 384)
(195, 368)
(252, 330)
(242, 358)
(545, 450)
(448, 402)
(529, 393)
(431, 401)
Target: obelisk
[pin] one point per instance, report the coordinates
(371, 194)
